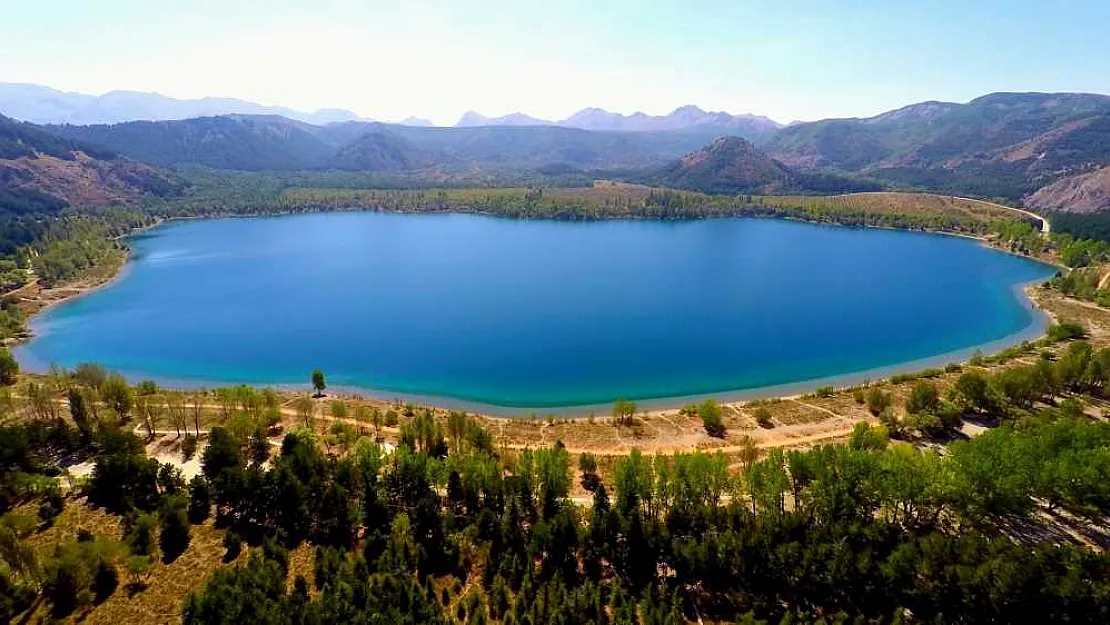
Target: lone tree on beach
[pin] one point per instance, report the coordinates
(318, 382)
(623, 411)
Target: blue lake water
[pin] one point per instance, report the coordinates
(535, 314)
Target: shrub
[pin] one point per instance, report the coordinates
(139, 568)
(188, 447)
(1066, 330)
(972, 392)
(90, 374)
(200, 500)
(711, 418)
(877, 401)
(623, 411)
(763, 417)
(173, 534)
(9, 368)
(51, 506)
(105, 579)
(825, 391)
(233, 544)
(139, 535)
(923, 398)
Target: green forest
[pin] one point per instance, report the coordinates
(445, 527)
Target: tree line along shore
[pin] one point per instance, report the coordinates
(50, 256)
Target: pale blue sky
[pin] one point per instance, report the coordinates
(801, 59)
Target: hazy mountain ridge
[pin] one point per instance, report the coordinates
(43, 105)
(471, 119)
(691, 118)
(274, 143)
(244, 142)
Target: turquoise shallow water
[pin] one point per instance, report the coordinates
(534, 314)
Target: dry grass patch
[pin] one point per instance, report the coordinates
(166, 588)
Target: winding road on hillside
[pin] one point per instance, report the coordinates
(1045, 226)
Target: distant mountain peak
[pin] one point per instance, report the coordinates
(472, 118)
(419, 122)
(687, 117)
(43, 105)
(688, 109)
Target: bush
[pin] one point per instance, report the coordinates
(1065, 331)
(139, 535)
(233, 544)
(711, 418)
(858, 395)
(105, 579)
(825, 391)
(972, 392)
(923, 398)
(200, 500)
(173, 533)
(9, 368)
(927, 424)
(51, 506)
(877, 401)
(90, 374)
(139, 568)
(763, 417)
(188, 447)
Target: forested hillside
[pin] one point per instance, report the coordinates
(732, 165)
(274, 143)
(1005, 145)
(43, 181)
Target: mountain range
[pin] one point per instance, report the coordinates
(43, 105)
(255, 143)
(1004, 145)
(685, 118)
(1049, 151)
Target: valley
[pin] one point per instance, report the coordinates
(269, 492)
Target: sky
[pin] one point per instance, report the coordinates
(786, 59)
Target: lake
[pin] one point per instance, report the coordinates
(538, 315)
